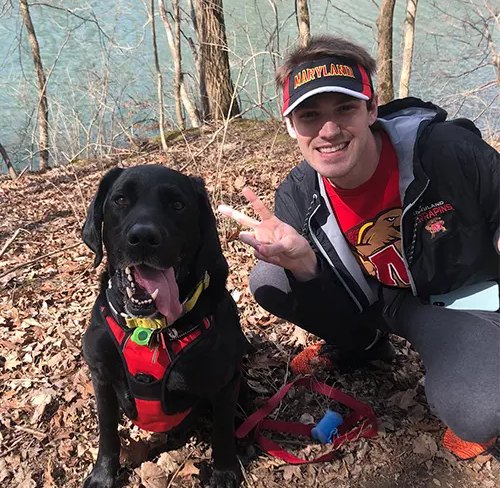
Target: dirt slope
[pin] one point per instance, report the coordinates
(48, 435)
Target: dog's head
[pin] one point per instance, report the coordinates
(158, 230)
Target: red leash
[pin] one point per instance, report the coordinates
(360, 422)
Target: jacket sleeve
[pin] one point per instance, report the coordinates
(487, 161)
(324, 297)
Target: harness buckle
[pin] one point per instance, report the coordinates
(172, 333)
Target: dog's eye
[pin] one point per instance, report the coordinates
(177, 205)
(121, 201)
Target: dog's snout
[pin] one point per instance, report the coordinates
(144, 235)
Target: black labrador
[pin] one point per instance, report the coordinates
(165, 332)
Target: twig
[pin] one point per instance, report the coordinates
(248, 481)
(40, 258)
(9, 242)
(181, 466)
(36, 433)
(12, 447)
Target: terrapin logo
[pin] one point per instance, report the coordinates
(377, 244)
(435, 226)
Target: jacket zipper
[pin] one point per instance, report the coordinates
(405, 260)
(325, 254)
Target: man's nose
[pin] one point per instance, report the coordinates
(329, 129)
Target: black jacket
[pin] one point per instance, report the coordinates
(440, 162)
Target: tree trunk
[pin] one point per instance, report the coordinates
(11, 169)
(174, 43)
(302, 13)
(408, 42)
(214, 60)
(43, 107)
(384, 52)
(159, 79)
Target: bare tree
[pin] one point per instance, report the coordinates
(43, 107)
(408, 42)
(8, 163)
(474, 26)
(214, 60)
(302, 14)
(384, 51)
(174, 42)
(159, 79)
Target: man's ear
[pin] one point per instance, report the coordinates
(289, 128)
(373, 109)
(92, 228)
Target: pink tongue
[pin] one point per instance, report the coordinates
(167, 301)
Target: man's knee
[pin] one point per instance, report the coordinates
(270, 287)
(473, 417)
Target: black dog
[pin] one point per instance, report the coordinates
(165, 332)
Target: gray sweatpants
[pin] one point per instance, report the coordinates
(460, 349)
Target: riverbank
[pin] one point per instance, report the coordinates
(48, 433)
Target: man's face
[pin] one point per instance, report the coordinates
(334, 136)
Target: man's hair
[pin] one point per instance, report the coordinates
(322, 47)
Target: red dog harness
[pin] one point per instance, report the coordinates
(148, 367)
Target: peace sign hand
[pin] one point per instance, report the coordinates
(273, 240)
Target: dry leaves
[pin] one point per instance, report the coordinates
(48, 431)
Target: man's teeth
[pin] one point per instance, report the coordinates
(332, 149)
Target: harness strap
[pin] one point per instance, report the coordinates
(361, 422)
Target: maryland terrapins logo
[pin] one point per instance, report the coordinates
(323, 71)
(434, 226)
(377, 244)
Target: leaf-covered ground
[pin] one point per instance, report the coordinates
(48, 434)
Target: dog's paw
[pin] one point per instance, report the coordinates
(99, 478)
(225, 479)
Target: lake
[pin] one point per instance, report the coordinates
(102, 84)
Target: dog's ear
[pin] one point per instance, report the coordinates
(210, 254)
(92, 228)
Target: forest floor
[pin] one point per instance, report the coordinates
(48, 430)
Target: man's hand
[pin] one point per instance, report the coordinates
(274, 241)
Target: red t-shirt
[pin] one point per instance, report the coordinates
(369, 216)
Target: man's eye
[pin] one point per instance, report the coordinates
(178, 205)
(310, 114)
(121, 200)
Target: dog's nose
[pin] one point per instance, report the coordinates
(144, 235)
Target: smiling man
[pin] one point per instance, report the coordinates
(389, 225)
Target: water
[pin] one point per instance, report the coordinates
(102, 84)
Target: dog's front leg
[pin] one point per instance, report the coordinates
(108, 458)
(226, 472)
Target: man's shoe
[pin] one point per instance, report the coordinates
(466, 450)
(321, 356)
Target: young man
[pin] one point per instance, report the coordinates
(390, 224)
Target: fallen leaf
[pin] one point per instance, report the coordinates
(167, 463)
(152, 476)
(239, 182)
(298, 337)
(425, 445)
(189, 469)
(40, 401)
(290, 472)
(257, 387)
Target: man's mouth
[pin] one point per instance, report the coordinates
(148, 290)
(332, 149)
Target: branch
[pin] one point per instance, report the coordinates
(40, 258)
(67, 10)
